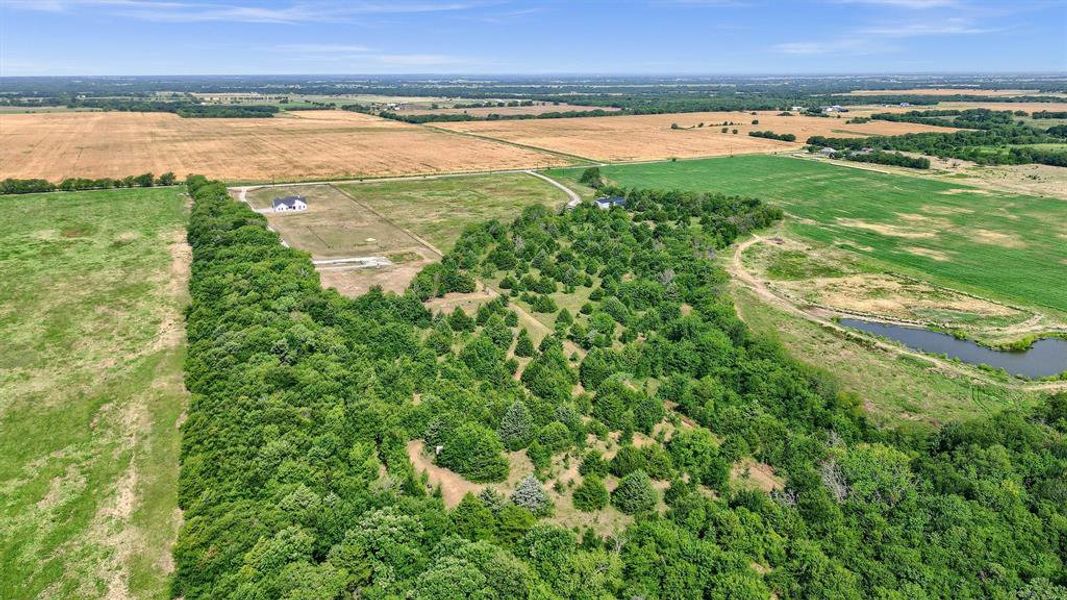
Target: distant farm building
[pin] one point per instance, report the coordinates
(828, 151)
(610, 201)
(290, 203)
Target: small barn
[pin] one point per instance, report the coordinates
(828, 151)
(609, 202)
(290, 203)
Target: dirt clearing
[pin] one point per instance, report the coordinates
(304, 145)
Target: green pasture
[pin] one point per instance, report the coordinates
(90, 392)
(1002, 245)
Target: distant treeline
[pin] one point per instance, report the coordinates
(71, 184)
(1048, 114)
(883, 158)
(454, 117)
(964, 145)
(182, 109)
(975, 118)
(785, 137)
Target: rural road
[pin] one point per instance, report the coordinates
(570, 193)
(737, 270)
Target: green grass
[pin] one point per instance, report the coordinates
(90, 392)
(439, 209)
(996, 244)
(895, 390)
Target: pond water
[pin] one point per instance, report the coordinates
(1045, 357)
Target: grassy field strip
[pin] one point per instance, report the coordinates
(92, 392)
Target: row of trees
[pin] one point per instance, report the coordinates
(785, 137)
(70, 184)
(977, 146)
(183, 108)
(883, 158)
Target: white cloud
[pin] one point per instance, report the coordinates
(242, 11)
(916, 4)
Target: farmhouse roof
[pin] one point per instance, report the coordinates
(610, 201)
(288, 201)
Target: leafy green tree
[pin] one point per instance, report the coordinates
(695, 451)
(592, 178)
(474, 452)
(635, 494)
(473, 520)
(460, 321)
(590, 495)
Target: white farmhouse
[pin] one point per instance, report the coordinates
(290, 203)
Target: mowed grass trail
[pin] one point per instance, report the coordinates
(438, 209)
(91, 334)
(995, 244)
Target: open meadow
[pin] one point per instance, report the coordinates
(91, 392)
(652, 137)
(293, 146)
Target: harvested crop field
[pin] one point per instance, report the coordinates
(651, 137)
(304, 145)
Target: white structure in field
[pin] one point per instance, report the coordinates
(606, 203)
(290, 203)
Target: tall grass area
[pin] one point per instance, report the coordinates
(1001, 245)
(90, 392)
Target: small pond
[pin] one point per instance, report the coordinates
(1045, 357)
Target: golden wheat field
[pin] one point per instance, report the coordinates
(651, 137)
(304, 145)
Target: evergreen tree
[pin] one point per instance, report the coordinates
(516, 427)
(524, 347)
(635, 494)
(531, 495)
(591, 494)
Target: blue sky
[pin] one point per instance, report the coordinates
(149, 37)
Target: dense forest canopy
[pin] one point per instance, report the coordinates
(295, 481)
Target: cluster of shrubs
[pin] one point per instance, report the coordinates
(70, 184)
(785, 137)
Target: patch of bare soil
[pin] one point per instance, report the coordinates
(354, 282)
(757, 474)
(453, 485)
(885, 229)
(997, 238)
(928, 253)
